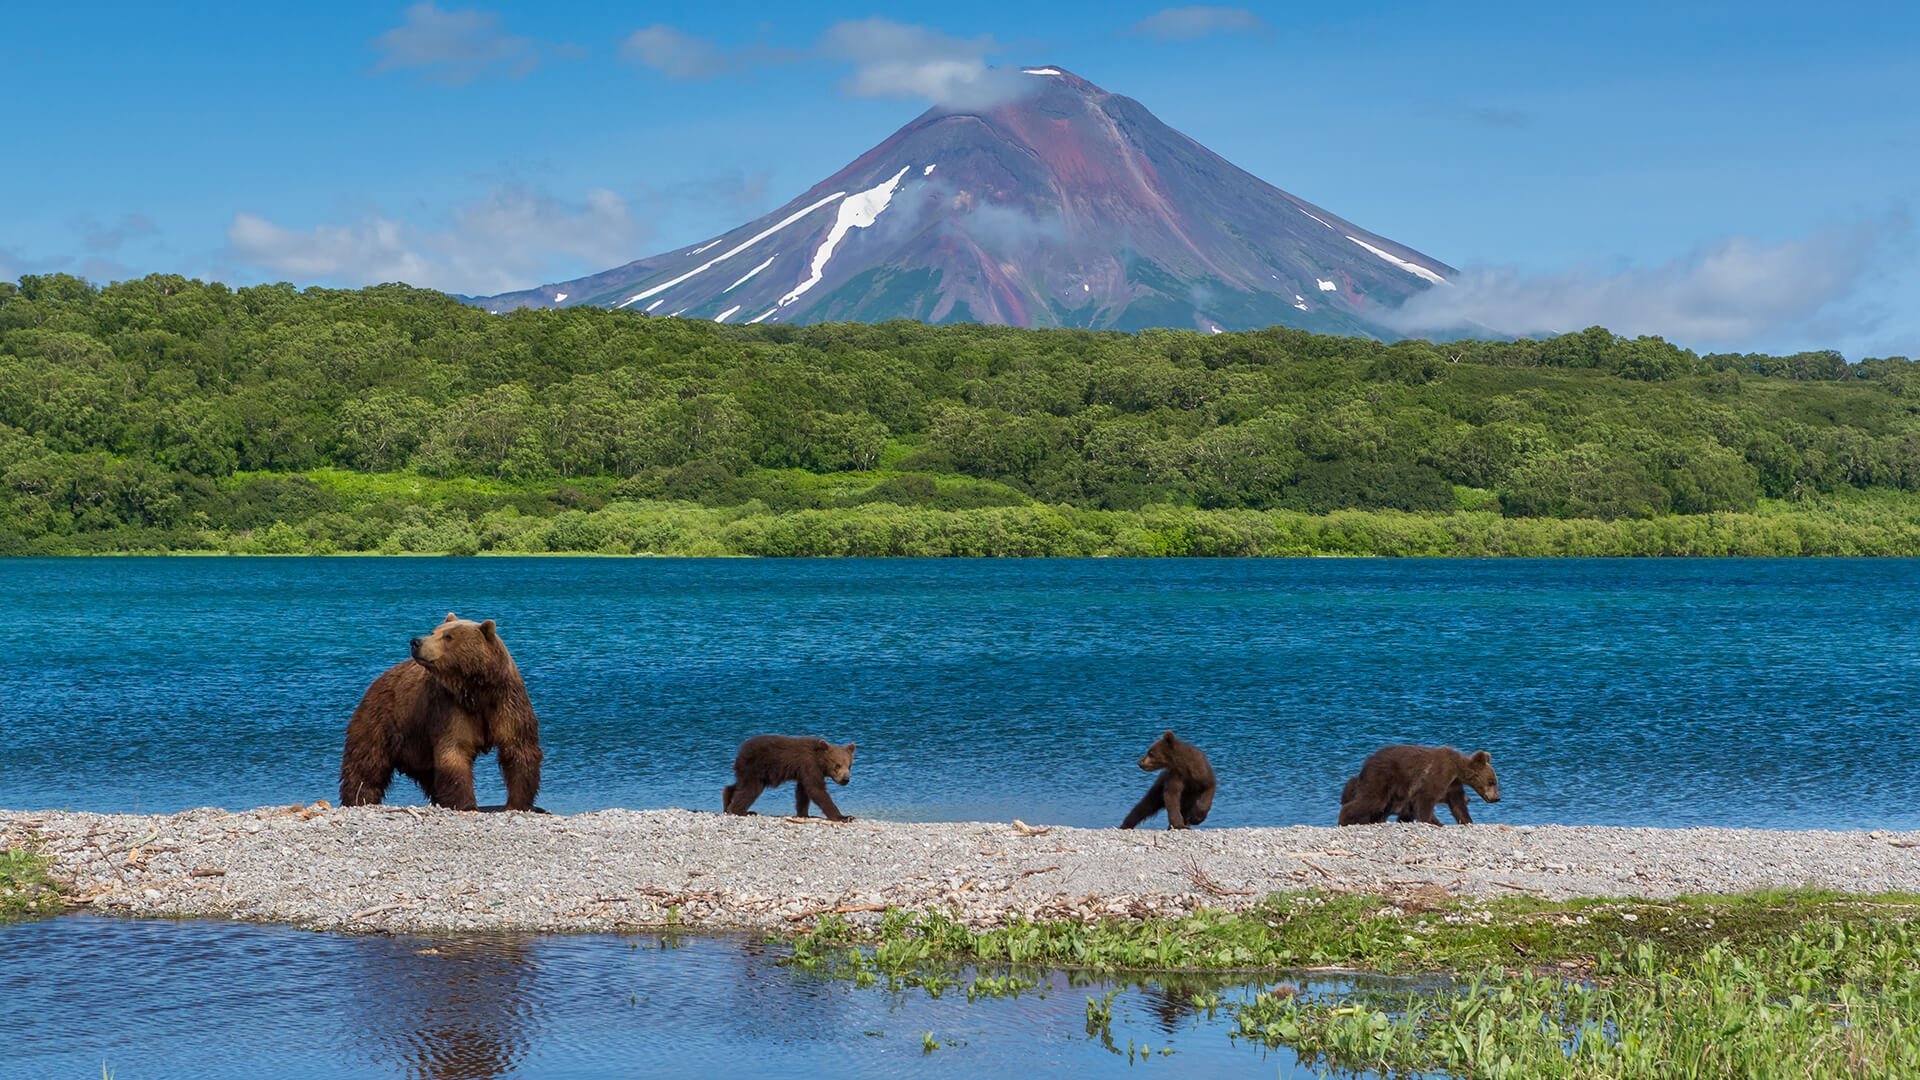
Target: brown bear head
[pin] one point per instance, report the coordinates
(837, 762)
(463, 655)
(1478, 775)
(1160, 754)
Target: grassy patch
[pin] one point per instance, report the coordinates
(25, 888)
(1794, 983)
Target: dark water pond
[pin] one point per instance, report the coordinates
(1759, 693)
(150, 1000)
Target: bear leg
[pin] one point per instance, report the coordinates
(365, 773)
(815, 788)
(1149, 804)
(453, 780)
(1457, 802)
(520, 768)
(1421, 807)
(744, 792)
(1196, 808)
(1360, 811)
(799, 800)
(726, 797)
(1174, 791)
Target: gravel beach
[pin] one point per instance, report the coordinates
(416, 869)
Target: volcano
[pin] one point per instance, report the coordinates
(1065, 206)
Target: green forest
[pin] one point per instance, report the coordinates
(172, 415)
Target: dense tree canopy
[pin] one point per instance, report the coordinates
(169, 413)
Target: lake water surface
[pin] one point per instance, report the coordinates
(1751, 693)
(153, 1000)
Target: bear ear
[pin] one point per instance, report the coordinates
(850, 749)
(1481, 757)
(1167, 735)
(451, 617)
(487, 629)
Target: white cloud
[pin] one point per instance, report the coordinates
(889, 59)
(513, 239)
(457, 47)
(678, 54)
(1737, 292)
(1190, 23)
(895, 60)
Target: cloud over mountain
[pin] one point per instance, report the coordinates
(1733, 291)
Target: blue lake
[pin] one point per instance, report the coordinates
(89, 996)
(1752, 693)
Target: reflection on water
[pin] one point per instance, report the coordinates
(153, 999)
(451, 1010)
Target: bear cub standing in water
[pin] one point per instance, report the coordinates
(1184, 787)
(1408, 781)
(766, 761)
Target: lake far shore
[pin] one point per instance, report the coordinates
(414, 869)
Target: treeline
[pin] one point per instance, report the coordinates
(165, 413)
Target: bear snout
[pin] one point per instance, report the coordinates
(414, 647)
(1494, 795)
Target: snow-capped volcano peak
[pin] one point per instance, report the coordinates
(1067, 206)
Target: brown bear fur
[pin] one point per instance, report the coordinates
(1456, 801)
(1184, 788)
(1409, 781)
(459, 697)
(766, 761)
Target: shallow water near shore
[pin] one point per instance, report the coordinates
(155, 999)
(1674, 693)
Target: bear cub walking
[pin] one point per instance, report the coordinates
(1409, 781)
(766, 761)
(1184, 787)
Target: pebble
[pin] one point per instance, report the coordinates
(398, 869)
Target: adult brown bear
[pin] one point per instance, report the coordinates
(429, 717)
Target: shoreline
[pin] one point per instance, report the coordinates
(399, 869)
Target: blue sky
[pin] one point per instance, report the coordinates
(1736, 175)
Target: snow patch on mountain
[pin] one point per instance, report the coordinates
(1043, 71)
(858, 211)
(1325, 285)
(1412, 268)
(749, 274)
(752, 240)
(727, 314)
(559, 297)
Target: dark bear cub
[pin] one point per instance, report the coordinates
(766, 761)
(1184, 787)
(1456, 801)
(1409, 781)
(428, 718)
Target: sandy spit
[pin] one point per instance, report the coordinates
(415, 869)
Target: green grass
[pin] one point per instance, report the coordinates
(1795, 983)
(25, 888)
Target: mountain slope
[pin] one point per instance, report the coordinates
(1069, 206)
